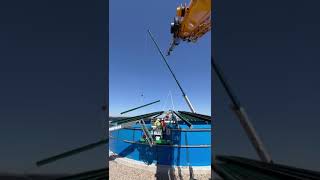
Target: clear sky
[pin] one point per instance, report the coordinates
(136, 67)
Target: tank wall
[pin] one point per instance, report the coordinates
(125, 142)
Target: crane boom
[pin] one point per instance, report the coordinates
(191, 22)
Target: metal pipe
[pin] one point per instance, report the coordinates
(183, 119)
(243, 117)
(164, 59)
(140, 107)
(87, 174)
(137, 118)
(165, 145)
(72, 152)
(189, 103)
(225, 85)
(252, 134)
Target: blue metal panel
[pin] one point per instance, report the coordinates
(162, 154)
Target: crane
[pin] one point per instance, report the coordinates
(191, 22)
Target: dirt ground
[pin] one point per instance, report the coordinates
(122, 170)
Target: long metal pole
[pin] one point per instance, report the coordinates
(243, 117)
(140, 107)
(164, 59)
(72, 152)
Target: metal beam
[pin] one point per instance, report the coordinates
(93, 174)
(72, 152)
(244, 168)
(140, 107)
(189, 124)
(165, 61)
(198, 116)
(243, 117)
(224, 83)
(137, 118)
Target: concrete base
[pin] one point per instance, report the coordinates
(124, 168)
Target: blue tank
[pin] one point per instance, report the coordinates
(185, 146)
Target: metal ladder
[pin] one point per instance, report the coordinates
(146, 132)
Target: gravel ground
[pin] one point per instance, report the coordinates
(122, 170)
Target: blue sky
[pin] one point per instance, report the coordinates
(135, 66)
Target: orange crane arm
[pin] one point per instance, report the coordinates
(191, 22)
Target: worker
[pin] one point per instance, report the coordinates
(163, 124)
(157, 123)
(153, 124)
